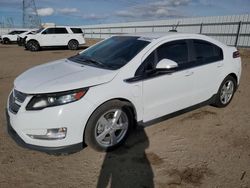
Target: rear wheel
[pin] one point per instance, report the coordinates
(108, 126)
(33, 45)
(73, 45)
(226, 92)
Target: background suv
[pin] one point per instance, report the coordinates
(55, 36)
(11, 36)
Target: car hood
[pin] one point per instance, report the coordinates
(61, 75)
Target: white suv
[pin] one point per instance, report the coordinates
(55, 36)
(97, 95)
(11, 36)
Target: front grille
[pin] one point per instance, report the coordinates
(19, 96)
(13, 107)
(16, 96)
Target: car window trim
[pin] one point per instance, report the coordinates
(138, 78)
(191, 57)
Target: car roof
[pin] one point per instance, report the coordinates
(60, 26)
(151, 36)
(157, 35)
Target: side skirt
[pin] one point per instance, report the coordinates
(177, 113)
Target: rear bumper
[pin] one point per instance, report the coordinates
(50, 150)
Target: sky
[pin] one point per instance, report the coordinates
(86, 12)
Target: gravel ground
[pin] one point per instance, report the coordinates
(207, 147)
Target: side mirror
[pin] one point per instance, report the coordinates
(166, 64)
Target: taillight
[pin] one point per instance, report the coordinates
(236, 54)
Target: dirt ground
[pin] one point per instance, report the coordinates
(207, 147)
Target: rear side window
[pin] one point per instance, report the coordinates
(206, 52)
(176, 51)
(76, 30)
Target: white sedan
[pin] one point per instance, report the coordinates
(98, 95)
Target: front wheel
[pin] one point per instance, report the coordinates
(108, 126)
(33, 46)
(226, 92)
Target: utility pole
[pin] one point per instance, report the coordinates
(31, 18)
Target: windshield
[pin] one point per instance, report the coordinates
(112, 53)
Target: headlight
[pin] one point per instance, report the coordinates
(42, 101)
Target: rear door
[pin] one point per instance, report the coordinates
(208, 63)
(61, 36)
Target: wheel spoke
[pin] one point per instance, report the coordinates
(103, 135)
(116, 117)
(121, 126)
(113, 139)
(226, 98)
(222, 95)
(228, 85)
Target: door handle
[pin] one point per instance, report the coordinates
(189, 73)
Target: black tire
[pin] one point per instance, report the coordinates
(92, 127)
(6, 41)
(219, 102)
(33, 46)
(73, 45)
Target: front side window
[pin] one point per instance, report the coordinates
(206, 52)
(112, 53)
(49, 31)
(176, 51)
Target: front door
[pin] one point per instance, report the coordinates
(169, 92)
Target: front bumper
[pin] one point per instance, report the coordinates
(22, 123)
(50, 150)
(21, 41)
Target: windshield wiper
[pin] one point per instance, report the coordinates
(93, 61)
(89, 60)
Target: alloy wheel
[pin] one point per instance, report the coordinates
(227, 92)
(111, 127)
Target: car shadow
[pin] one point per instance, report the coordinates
(128, 166)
